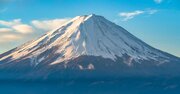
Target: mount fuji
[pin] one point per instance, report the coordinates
(87, 46)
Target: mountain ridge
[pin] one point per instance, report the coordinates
(84, 38)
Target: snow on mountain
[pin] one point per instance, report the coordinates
(90, 35)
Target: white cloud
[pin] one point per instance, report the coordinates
(14, 30)
(9, 38)
(44, 25)
(10, 23)
(5, 30)
(17, 26)
(130, 15)
(23, 28)
(47, 25)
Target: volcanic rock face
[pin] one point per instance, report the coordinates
(85, 43)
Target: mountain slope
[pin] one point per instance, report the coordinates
(89, 36)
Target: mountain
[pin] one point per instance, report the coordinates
(87, 46)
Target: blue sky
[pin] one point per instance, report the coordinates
(157, 22)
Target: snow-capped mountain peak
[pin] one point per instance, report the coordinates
(90, 35)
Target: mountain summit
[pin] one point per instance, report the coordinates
(81, 42)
